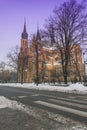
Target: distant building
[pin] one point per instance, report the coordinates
(49, 61)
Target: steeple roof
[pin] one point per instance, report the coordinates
(24, 34)
(38, 34)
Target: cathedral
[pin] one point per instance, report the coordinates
(38, 61)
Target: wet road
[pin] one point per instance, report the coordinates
(66, 104)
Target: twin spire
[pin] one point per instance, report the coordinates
(24, 34)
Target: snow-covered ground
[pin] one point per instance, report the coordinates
(7, 103)
(4, 102)
(72, 88)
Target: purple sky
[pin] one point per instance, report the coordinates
(12, 13)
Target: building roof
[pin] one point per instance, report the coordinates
(24, 34)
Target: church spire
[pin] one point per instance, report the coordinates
(38, 34)
(24, 33)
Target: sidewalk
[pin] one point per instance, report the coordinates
(17, 120)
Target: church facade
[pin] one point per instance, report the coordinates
(44, 63)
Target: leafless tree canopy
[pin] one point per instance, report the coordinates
(12, 57)
(67, 27)
(2, 66)
(71, 23)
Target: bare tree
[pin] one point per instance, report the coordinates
(2, 66)
(70, 28)
(5, 74)
(49, 33)
(12, 57)
(36, 55)
(37, 48)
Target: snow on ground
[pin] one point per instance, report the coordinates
(4, 102)
(72, 88)
(7, 103)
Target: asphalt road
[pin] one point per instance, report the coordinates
(66, 104)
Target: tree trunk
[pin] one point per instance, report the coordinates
(37, 77)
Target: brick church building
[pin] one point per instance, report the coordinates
(49, 67)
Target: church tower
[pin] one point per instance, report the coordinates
(24, 38)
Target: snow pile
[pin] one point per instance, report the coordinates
(73, 88)
(4, 102)
(7, 103)
(78, 87)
